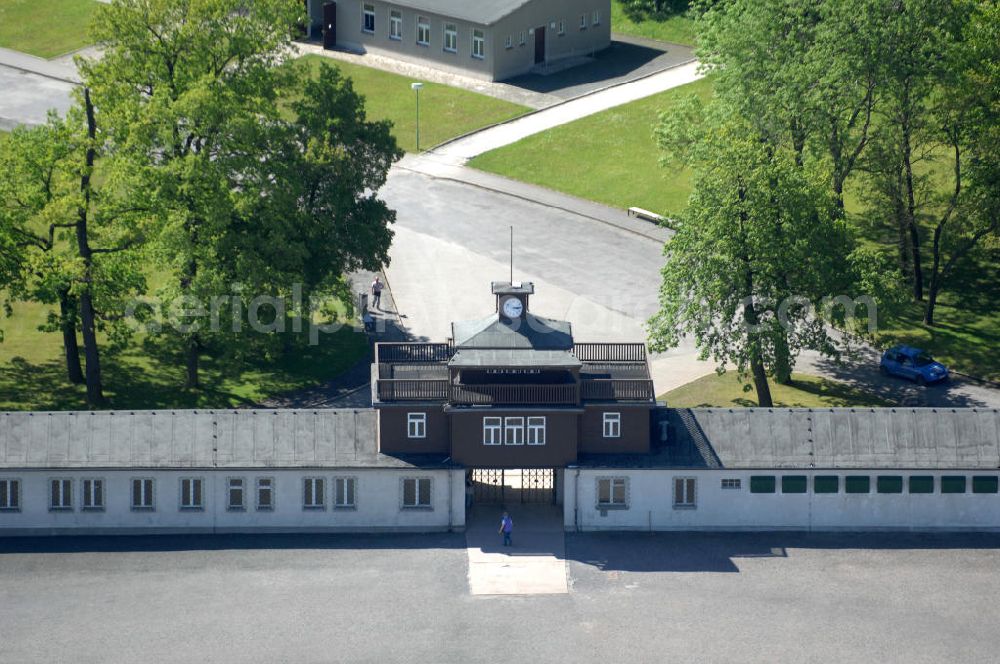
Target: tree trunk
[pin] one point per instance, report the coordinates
(88, 318)
(932, 294)
(67, 322)
(911, 206)
(760, 384)
(782, 360)
(191, 355)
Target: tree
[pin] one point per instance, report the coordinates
(803, 73)
(967, 120)
(32, 189)
(178, 81)
(757, 250)
(192, 93)
(75, 240)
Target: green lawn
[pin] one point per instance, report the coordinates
(445, 112)
(45, 28)
(678, 28)
(145, 375)
(609, 157)
(805, 391)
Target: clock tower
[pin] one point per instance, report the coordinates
(512, 298)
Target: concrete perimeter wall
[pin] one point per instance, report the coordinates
(650, 502)
(378, 503)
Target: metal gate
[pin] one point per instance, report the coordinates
(513, 485)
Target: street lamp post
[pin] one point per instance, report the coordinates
(416, 88)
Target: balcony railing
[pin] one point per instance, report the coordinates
(617, 389)
(610, 352)
(412, 352)
(412, 390)
(518, 394)
(486, 395)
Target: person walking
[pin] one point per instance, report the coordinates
(469, 492)
(506, 528)
(377, 287)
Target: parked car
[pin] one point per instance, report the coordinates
(912, 363)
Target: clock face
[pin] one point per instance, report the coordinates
(512, 307)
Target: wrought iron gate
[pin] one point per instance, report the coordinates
(514, 485)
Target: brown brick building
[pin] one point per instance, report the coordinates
(513, 390)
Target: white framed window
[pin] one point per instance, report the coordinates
(478, 44)
(513, 431)
(583, 21)
(492, 430)
(235, 494)
(344, 492)
(60, 494)
(313, 493)
(265, 494)
(416, 492)
(536, 430)
(395, 24)
(523, 38)
(142, 493)
(10, 495)
(423, 31)
(368, 18)
(732, 483)
(192, 493)
(562, 27)
(596, 18)
(451, 37)
(684, 493)
(509, 42)
(416, 425)
(612, 425)
(92, 497)
(612, 492)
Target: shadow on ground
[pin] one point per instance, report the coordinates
(720, 552)
(626, 59)
(608, 552)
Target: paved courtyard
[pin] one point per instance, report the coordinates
(639, 597)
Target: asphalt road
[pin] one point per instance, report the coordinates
(638, 597)
(453, 238)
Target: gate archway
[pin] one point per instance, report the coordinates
(500, 486)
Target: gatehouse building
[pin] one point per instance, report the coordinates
(511, 409)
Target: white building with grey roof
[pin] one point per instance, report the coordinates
(226, 471)
(489, 40)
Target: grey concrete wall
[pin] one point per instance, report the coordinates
(574, 42)
(500, 62)
(350, 35)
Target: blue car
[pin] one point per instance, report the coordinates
(912, 363)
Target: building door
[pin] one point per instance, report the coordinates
(492, 486)
(329, 25)
(540, 44)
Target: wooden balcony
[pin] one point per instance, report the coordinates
(412, 390)
(617, 389)
(610, 352)
(412, 352)
(494, 395)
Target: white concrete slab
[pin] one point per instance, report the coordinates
(534, 565)
(463, 149)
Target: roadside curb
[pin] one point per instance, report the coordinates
(530, 199)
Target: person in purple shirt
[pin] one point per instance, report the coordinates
(506, 528)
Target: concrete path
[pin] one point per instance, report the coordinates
(57, 69)
(534, 565)
(461, 150)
